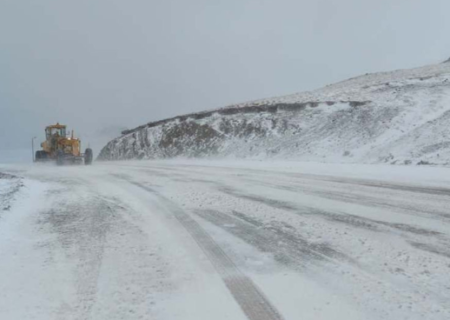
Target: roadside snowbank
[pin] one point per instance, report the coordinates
(10, 185)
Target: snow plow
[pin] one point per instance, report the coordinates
(61, 148)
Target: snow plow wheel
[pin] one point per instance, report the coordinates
(41, 156)
(88, 155)
(60, 158)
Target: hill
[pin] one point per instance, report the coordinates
(398, 117)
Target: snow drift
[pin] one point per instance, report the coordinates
(398, 117)
(9, 187)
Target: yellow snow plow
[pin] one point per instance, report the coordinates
(62, 148)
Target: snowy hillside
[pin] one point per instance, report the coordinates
(398, 117)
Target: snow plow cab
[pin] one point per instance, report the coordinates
(63, 149)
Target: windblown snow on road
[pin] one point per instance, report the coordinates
(224, 240)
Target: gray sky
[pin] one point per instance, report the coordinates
(94, 64)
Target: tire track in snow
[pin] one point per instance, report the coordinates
(80, 226)
(250, 298)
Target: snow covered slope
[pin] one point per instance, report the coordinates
(398, 117)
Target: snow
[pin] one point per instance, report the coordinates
(55, 235)
(26, 279)
(10, 185)
(398, 117)
(318, 241)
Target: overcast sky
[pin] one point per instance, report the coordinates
(92, 64)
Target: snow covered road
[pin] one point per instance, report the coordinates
(224, 240)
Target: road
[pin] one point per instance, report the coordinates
(224, 240)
